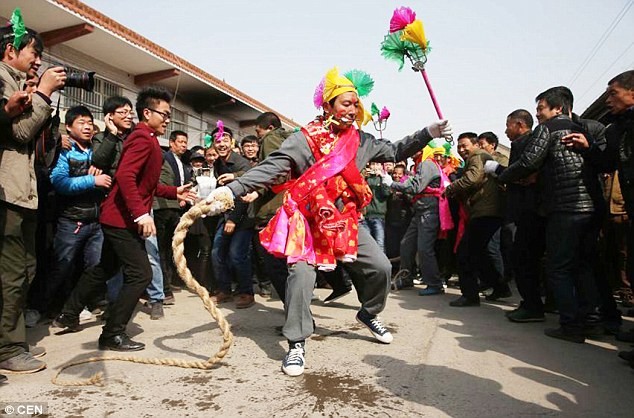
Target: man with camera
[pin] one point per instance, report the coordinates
(21, 55)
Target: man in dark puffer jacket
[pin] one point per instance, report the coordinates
(571, 198)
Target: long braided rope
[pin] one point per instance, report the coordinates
(219, 205)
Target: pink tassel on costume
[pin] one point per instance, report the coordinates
(318, 98)
(402, 17)
(221, 130)
(384, 114)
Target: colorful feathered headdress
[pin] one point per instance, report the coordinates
(334, 84)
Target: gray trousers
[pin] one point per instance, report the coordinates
(370, 274)
(17, 269)
(420, 237)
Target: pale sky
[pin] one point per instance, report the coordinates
(488, 57)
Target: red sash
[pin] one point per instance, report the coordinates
(309, 226)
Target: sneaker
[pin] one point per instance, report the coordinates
(265, 290)
(31, 317)
(463, 301)
(402, 279)
(417, 281)
(626, 336)
(566, 335)
(498, 294)
(23, 363)
(431, 290)
(337, 294)
(373, 323)
(244, 301)
(37, 351)
(169, 299)
(156, 310)
(85, 315)
(293, 363)
(3, 378)
(67, 322)
(524, 315)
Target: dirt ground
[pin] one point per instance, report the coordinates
(457, 362)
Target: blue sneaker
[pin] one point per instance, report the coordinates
(293, 363)
(431, 290)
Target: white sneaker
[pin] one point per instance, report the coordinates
(375, 326)
(293, 363)
(85, 315)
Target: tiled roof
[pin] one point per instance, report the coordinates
(105, 22)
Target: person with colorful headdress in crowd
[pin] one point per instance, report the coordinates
(431, 217)
(317, 226)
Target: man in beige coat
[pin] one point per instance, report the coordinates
(18, 192)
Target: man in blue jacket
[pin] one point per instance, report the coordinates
(80, 189)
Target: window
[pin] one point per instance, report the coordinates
(178, 122)
(74, 96)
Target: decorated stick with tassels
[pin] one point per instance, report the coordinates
(407, 39)
(380, 123)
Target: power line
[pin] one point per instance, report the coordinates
(606, 70)
(601, 41)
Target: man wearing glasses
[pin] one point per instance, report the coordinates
(126, 221)
(107, 145)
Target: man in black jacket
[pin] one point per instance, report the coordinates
(167, 212)
(528, 247)
(107, 145)
(619, 155)
(571, 199)
(232, 243)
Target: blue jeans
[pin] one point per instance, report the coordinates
(231, 254)
(72, 240)
(155, 289)
(376, 228)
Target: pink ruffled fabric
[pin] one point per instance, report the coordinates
(402, 17)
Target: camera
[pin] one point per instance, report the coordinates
(84, 80)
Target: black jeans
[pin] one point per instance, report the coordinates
(473, 258)
(528, 250)
(275, 269)
(570, 260)
(122, 249)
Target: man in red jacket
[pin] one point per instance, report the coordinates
(126, 221)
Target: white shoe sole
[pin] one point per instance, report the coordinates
(293, 371)
(385, 339)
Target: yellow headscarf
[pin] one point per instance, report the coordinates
(335, 85)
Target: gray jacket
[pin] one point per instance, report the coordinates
(295, 156)
(427, 174)
(18, 184)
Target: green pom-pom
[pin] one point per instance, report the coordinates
(394, 49)
(361, 80)
(447, 147)
(207, 140)
(374, 110)
(432, 144)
